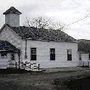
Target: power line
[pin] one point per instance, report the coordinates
(78, 20)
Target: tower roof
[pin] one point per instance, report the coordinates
(12, 10)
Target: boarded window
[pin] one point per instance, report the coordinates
(33, 54)
(52, 53)
(69, 55)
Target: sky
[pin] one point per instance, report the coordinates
(75, 14)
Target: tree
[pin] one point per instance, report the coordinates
(43, 22)
(58, 26)
(38, 22)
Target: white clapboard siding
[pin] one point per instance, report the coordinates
(85, 56)
(85, 61)
(43, 53)
(12, 20)
(3, 63)
(9, 35)
(43, 50)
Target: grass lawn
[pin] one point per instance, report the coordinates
(39, 81)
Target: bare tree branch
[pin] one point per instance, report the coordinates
(38, 22)
(43, 22)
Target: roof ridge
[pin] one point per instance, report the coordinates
(42, 34)
(12, 10)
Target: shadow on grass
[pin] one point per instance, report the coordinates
(12, 71)
(79, 84)
(72, 84)
(11, 85)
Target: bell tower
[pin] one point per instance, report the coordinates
(12, 17)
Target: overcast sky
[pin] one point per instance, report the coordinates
(66, 11)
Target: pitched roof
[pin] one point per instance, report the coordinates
(39, 34)
(6, 46)
(42, 34)
(84, 45)
(12, 10)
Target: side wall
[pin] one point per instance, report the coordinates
(5, 61)
(12, 20)
(43, 50)
(9, 35)
(43, 53)
(85, 56)
(85, 60)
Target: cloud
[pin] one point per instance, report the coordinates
(66, 11)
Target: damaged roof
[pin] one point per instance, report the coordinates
(43, 34)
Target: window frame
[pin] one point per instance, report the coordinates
(69, 54)
(33, 55)
(52, 54)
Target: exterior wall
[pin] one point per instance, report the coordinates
(8, 35)
(85, 57)
(5, 62)
(43, 50)
(43, 53)
(85, 61)
(12, 20)
(13, 62)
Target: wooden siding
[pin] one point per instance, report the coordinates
(9, 35)
(43, 53)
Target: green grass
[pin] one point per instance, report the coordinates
(39, 81)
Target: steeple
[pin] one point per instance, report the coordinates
(12, 17)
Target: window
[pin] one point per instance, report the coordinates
(33, 54)
(52, 53)
(3, 54)
(12, 56)
(80, 58)
(69, 55)
(89, 56)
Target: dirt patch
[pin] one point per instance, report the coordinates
(40, 81)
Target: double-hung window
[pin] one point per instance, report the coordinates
(69, 55)
(33, 54)
(52, 53)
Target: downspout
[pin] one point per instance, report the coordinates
(19, 59)
(25, 48)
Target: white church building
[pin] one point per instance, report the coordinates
(48, 48)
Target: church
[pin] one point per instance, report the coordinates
(47, 48)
